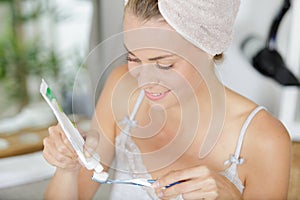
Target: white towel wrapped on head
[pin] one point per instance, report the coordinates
(207, 24)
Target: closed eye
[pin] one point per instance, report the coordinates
(163, 67)
(159, 66)
(129, 59)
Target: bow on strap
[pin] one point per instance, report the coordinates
(235, 160)
(127, 121)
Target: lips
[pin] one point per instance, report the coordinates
(155, 96)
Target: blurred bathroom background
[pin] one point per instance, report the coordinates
(54, 40)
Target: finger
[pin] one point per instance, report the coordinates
(196, 195)
(199, 172)
(189, 186)
(62, 146)
(91, 142)
(51, 148)
(64, 138)
(56, 158)
(53, 161)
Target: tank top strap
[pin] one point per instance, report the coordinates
(244, 129)
(231, 172)
(235, 159)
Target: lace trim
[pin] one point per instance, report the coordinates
(129, 160)
(231, 174)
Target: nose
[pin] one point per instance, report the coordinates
(147, 75)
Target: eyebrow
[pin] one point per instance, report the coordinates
(151, 59)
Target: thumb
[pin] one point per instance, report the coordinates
(91, 142)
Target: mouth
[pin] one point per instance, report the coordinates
(155, 96)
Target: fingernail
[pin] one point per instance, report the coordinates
(74, 157)
(155, 184)
(160, 194)
(88, 152)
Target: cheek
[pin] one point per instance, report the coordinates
(194, 78)
(176, 81)
(133, 69)
(191, 75)
(184, 82)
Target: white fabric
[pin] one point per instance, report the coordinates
(208, 24)
(129, 163)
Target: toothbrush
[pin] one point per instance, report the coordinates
(136, 181)
(71, 132)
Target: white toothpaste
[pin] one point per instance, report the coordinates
(73, 135)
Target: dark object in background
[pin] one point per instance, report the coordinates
(267, 60)
(270, 63)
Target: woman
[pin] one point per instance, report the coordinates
(189, 128)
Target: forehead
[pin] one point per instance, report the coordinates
(145, 37)
(131, 21)
(155, 36)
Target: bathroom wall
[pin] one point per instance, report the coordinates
(254, 18)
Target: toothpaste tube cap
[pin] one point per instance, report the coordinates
(93, 163)
(103, 176)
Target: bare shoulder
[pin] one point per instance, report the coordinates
(267, 133)
(116, 74)
(264, 129)
(267, 153)
(112, 81)
(112, 105)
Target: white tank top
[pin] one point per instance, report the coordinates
(129, 163)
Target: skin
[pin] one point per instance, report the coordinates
(266, 147)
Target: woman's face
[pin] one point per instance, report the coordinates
(166, 78)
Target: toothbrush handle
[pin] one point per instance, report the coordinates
(167, 186)
(172, 184)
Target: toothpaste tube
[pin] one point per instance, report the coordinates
(73, 135)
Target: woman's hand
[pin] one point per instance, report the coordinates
(196, 183)
(59, 152)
